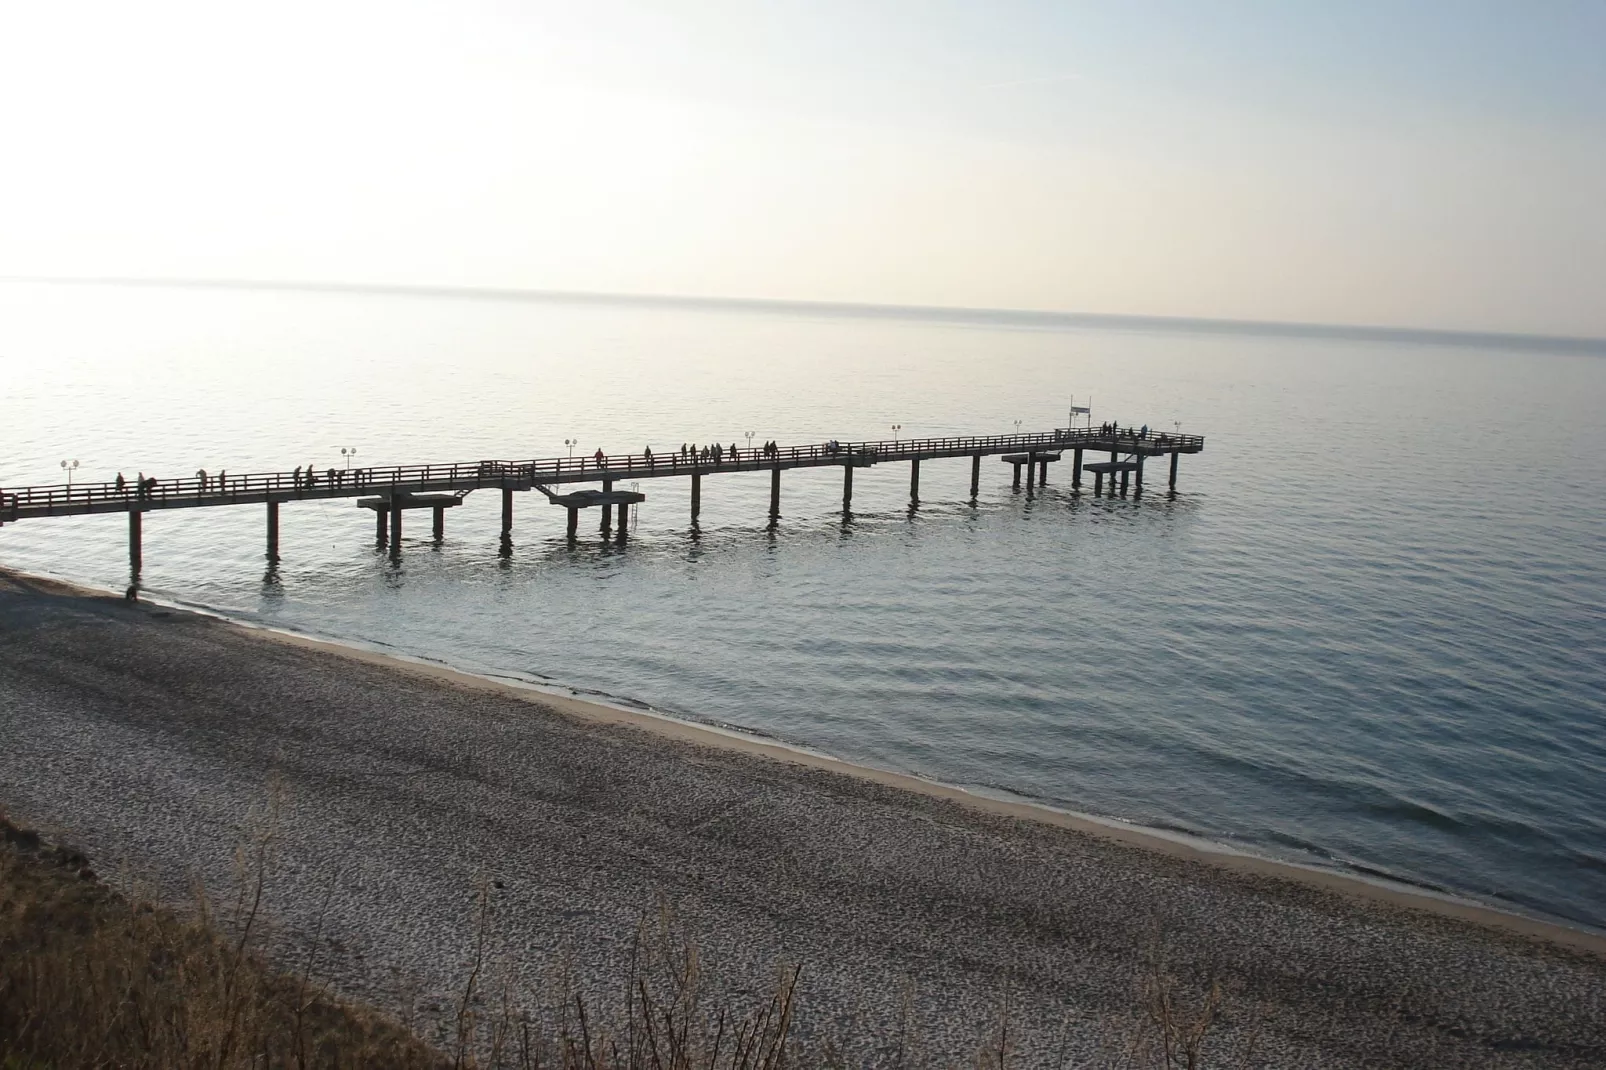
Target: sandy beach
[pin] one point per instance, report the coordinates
(147, 735)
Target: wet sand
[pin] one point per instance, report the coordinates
(147, 734)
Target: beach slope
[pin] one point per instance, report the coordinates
(147, 735)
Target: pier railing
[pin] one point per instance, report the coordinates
(226, 488)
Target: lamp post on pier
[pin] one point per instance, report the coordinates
(69, 466)
(896, 430)
(349, 453)
(571, 443)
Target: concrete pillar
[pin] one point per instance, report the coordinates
(1076, 469)
(1031, 472)
(1042, 473)
(975, 475)
(847, 488)
(607, 509)
(1098, 484)
(696, 496)
(914, 481)
(1174, 456)
(395, 528)
(574, 520)
(775, 494)
(1017, 474)
(273, 532)
(507, 513)
(1126, 478)
(381, 522)
(440, 523)
(136, 550)
(1138, 490)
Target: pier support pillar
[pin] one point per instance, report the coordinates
(847, 488)
(273, 532)
(1126, 478)
(395, 528)
(1098, 484)
(696, 496)
(1076, 470)
(574, 521)
(1031, 472)
(1137, 489)
(440, 523)
(1017, 474)
(775, 494)
(914, 481)
(607, 509)
(381, 528)
(1174, 456)
(975, 475)
(136, 553)
(1042, 473)
(507, 514)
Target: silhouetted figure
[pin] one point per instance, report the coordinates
(646, 452)
(201, 475)
(121, 484)
(600, 457)
(295, 477)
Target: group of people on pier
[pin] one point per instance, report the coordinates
(1137, 434)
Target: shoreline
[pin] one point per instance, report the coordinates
(1175, 845)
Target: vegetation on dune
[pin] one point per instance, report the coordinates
(90, 978)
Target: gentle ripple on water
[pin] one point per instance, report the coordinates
(1370, 631)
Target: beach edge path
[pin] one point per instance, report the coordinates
(147, 735)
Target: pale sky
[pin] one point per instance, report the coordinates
(1428, 164)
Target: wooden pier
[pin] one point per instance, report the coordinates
(390, 491)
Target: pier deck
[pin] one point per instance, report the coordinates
(391, 489)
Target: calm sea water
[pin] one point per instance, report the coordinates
(1368, 632)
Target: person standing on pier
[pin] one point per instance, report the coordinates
(121, 484)
(600, 457)
(646, 453)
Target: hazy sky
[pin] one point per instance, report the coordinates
(1438, 164)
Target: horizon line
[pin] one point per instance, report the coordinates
(1556, 343)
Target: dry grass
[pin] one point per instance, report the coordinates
(88, 979)
(92, 979)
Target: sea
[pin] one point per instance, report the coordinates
(1366, 633)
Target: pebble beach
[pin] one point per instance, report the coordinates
(919, 918)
